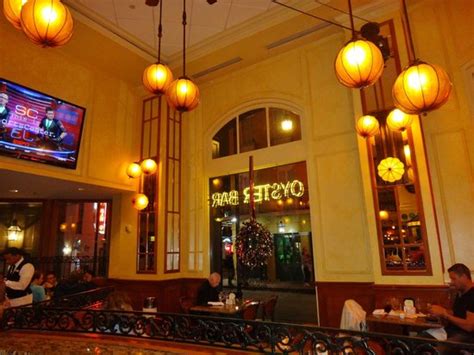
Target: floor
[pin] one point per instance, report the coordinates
(23, 343)
(292, 306)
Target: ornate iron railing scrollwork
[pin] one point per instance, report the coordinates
(234, 333)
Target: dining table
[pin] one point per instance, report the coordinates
(393, 323)
(234, 310)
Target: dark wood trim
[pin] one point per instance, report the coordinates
(167, 292)
(332, 295)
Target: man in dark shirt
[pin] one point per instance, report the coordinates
(209, 292)
(461, 320)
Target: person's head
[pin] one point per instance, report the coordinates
(3, 98)
(49, 113)
(12, 255)
(214, 279)
(51, 278)
(37, 278)
(88, 276)
(460, 276)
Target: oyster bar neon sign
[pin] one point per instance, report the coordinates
(266, 192)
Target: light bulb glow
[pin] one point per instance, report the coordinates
(287, 125)
(49, 15)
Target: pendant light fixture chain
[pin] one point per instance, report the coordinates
(160, 32)
(411, 46)
(352, 20)
(184, 38)
(313, 16)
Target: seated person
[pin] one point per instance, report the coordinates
(50, 283)
(460, 320)
(209, 292)
(86, 283)
(38, 291)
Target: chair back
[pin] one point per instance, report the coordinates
(250, 311)
(353, 316)
(269, 308)
(185, 303)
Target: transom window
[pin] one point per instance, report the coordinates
(256, 129)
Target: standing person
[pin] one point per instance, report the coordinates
(38, 291)
(4, 112)
(52, 130)
(460, 320)
(18, 278)
(209, 292)
(307, 262)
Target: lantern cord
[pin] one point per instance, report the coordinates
(314, 16)
(408, 30)
(341, 11)
(184, 37)
(160, 33)
(352, 19)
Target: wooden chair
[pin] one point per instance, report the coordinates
(269, 309)
(250, 310)
(185, 303)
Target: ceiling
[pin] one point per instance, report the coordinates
(16, 185)
(141, 21)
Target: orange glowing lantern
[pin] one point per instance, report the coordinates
(12, 10)
(140, 201)
(367, 126)
(157, 78)
(183, 95)
(134, 170)
(148, 166)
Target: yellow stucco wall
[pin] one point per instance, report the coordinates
(105, 80)
(94, 72)
(344, 233)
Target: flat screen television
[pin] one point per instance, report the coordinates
(38, 127)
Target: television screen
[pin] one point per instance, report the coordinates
(38, 127)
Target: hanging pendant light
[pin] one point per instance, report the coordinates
(12, 10)
(391, 169)
(140, 201)
(359, 63)
(183, 93)
(399, 121)
(148, 166)
(158, 77)
(134, 170)
(421, 87)
(47, 23)
(367, 126)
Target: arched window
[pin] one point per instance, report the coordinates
(256, 129)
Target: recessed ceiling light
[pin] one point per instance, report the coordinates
(80, 189)
(13, 190)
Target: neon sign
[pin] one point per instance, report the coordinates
(266, 192)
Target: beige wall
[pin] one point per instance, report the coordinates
(93, 72)
(342, 214)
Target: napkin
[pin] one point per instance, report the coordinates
(438, 333)
(378, 312)
(215, 303)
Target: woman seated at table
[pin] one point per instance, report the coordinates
(38, 291)
(209, 290)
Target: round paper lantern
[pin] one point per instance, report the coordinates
(148, 166)
(134, 170)
(391, 169)
(12, 10)
(367, 126)
(383, 215)
(421, 87)
(358, 64)
(140, 201)
(157, 78)
(47, 23)
(183, 95)
(398, 120)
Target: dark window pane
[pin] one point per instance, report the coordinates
(285, 126)
(224, 143)
(253, 130)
